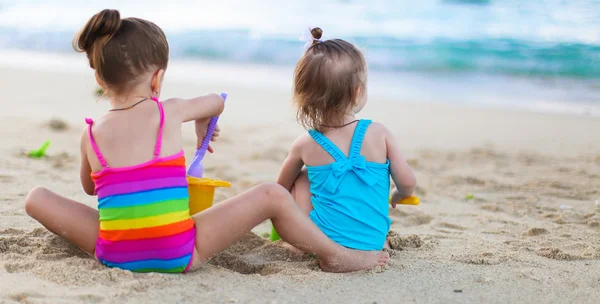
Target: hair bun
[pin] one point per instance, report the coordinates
(104, 24)
(316, 33)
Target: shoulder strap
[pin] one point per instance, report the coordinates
(160, 128)
(358, 137)
(327, 145)
(101, 159)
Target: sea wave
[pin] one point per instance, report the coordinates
(495, 56)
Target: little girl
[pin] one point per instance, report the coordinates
(133, 161)
(345, 187)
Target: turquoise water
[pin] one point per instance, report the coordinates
(547, 41)
(537, 38)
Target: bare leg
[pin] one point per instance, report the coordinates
(67, 218)
(226, 223)
(301, 192)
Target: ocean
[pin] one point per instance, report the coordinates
(546, 50)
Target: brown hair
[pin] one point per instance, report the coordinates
(325, 81)
(120, 50)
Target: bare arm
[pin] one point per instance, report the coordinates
(85, 171)
(199, 108)
(291, 167)
(402, 175)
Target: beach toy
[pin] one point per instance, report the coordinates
(274, 235)
(411, 200)
(200, 189)
(202, 192)
(41, 152)
(196, 169)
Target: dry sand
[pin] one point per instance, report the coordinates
(512, 242)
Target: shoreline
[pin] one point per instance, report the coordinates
(455, 126)
(472, 91)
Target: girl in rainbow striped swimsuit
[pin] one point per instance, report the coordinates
(133, 161)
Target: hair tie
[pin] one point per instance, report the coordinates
(308, 38)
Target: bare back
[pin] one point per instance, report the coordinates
(373, 148)
(128, 138)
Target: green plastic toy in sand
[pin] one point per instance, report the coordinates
(41, 152)
(274, 235)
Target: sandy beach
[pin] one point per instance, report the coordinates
(510, 206)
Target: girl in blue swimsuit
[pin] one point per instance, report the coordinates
(346, 185)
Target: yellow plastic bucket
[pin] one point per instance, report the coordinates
(202, 192)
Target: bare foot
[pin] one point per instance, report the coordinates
(349, 260)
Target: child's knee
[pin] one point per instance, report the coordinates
(274, 192)
(34, 198)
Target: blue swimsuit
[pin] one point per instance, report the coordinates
(350, 196)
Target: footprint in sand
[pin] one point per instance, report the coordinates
(28, 297)
(18, 267)
(491, 207)
(556, 254)
(25, 297)
(5, 179)
(407, 219)
(63, 160)
(255, 255)
(57, 125)
(486, 258)
(11, 231)
(38, 243)
(474, 181)
(90, 298)
(536, 231)
(398, 242)
(451, 226)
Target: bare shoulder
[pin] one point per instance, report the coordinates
(96, 128)
(172, 103)
(174, 108)
(302, 143)
(378, 129)
(102, 125)
(85, 138)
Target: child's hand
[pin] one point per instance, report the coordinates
(201, 129)
(213, 138)
(396, 197)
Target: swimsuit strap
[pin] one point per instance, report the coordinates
(358, 137)
(160, 128)
(327, 145)
(101, 159)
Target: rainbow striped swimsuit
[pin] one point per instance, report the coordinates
(145, 225)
